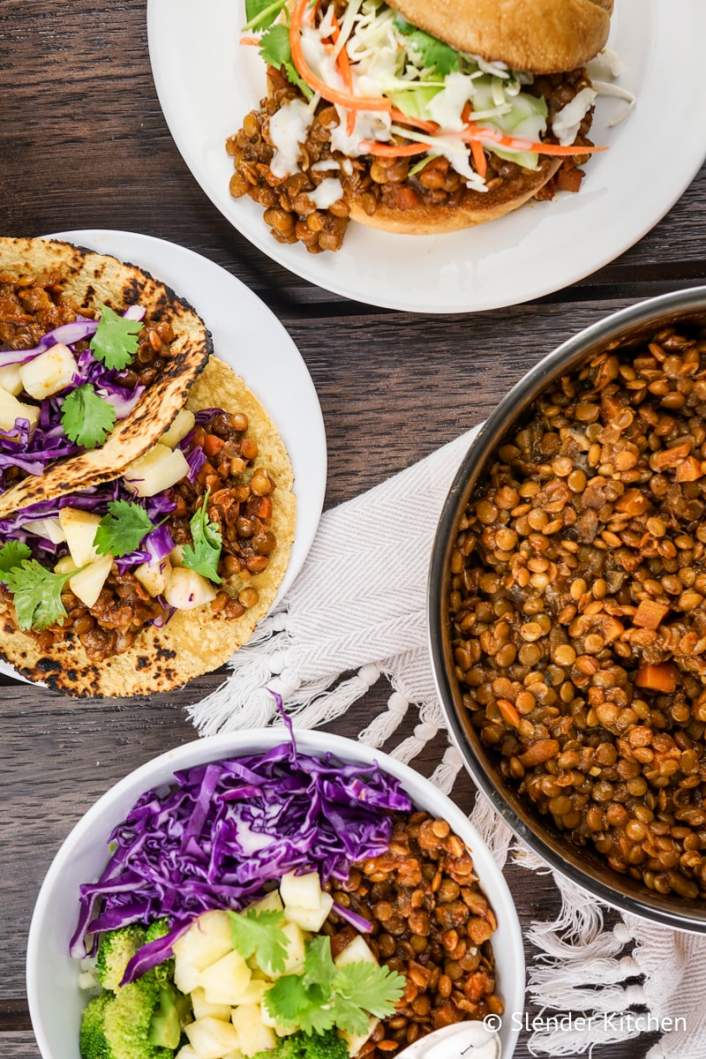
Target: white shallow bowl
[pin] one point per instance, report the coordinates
(55, 1001)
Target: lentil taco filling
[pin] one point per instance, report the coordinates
(577, 608)
(447, 131)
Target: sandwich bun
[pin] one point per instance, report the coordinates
(540, 36)
(480, 207)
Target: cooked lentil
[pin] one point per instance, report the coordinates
(431, 923)
(598, 715)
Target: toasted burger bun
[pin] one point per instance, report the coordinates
(541, 36)
(485, 206)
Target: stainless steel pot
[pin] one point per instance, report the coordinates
(581, 866)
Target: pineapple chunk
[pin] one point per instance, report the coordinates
(225, 981)
(311, 919)
(154, 576)
(88, 583)
(301, 891)
(66, 565)
(160, 468)
(357, 952)
(255, 991)
(237, 1054)
(49, 373)
(187, 1052)
(10, 379)
(252, 1033)
(11, 409)
(182, 425)
(203, 1009)
(206, 941)
(186, 589)
(176, 555)
(294, 964)
(211, 1038)
(271, 902)
(80, 529)
(49, 528)
(355, 1041)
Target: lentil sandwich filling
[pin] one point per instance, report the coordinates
(138, 584)
(370, 118)
(577, 599)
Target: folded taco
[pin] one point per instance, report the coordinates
(96, 359)
(138, 584)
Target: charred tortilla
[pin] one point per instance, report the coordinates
(193, 642)
(90, 280)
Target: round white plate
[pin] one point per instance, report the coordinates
(206, 83)
(252, 340)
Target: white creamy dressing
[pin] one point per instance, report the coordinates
(329, 191)
(289, 128)
(567, 122)
(447, 106)
(324, 165)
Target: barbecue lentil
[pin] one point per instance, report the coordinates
(240, 503)
(577, 589)
(431, 923)
(374, 182)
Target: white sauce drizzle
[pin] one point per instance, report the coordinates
(567, 122)
(329, 191)
(289, 128)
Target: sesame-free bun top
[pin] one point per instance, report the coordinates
(540, 36)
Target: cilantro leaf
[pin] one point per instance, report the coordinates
(294, 1005)
(276, 51)
(427, 51)
(262, 13)
(260, 934)
(368, 986)
(37, 594)
(205, 551)
(115, 342)
(348, 1016)
(86, 418)
(12, 554)
(123, 529)
(319, 968)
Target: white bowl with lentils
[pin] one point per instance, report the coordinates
(568, 609)
(440, 910)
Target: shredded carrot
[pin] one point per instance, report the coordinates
(344, 67)
(416, 123)
(484, 134)
(394, 150)
(253, 41)
(344, 99)
(479, 160)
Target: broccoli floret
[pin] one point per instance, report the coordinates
(92, 1042)
(115, 950)
(304, 1046)
(163, 972)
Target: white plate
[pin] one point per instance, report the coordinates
(252, 340)
(207, 83)
(55, 1002)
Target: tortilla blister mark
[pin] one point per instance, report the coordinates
(193, 642)
(92, 280)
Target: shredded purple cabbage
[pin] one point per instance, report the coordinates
(222, 832)
(363, 926)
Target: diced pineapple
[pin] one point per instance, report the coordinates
(294, 963)
(271, 902)
(301, 891)
(182, 425)
(160, 468)
(255, 991)
(186, 589)
(88, 583)
(154, 576)
(176, 555)
(10, 379)
(49, 528)
(225, 981)
(206, 941)
(203, 1009)
(49, 373)
(237, 1054)
(211, 1038)
(80, 529)
(65, 565)
(311, 919)
(187, 1052)
(252, 1033)
(355, 1041)
(357, 952)
(11, 409)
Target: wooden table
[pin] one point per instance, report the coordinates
(83, 144)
